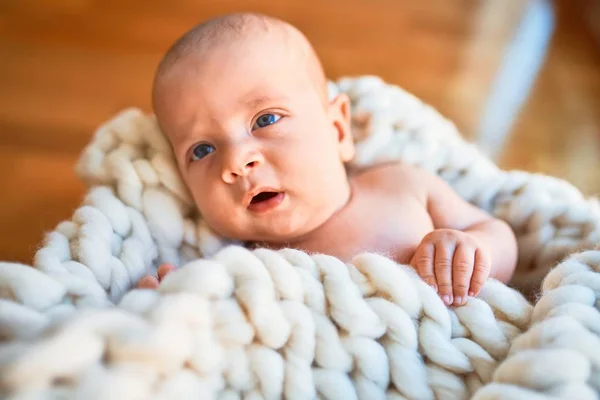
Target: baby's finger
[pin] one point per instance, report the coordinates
(148, 282)
(164, 269)
(442, 266)
(462, 270)
(422, 261)
(481, 272)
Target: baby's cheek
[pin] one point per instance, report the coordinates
(220, 222)
(220, 213)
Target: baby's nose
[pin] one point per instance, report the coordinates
(242, 166)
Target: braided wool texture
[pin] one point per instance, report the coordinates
(233, 323)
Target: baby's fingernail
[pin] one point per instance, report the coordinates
(471, 294)
(446, 299)
(458, 300)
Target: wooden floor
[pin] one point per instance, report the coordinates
(68, 65)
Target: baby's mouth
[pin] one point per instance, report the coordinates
(263, 196)
(265, 201)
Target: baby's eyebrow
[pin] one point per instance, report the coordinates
(259, 101)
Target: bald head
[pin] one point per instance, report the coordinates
(234, 29)
(216, 32)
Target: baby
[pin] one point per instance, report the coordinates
(263, 150)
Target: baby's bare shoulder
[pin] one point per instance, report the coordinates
(394, 178)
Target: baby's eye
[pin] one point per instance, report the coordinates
(201, 151)
(265, 120)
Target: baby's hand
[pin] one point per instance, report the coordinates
(151, 281)
(453, 263)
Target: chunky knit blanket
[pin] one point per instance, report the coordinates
(231, 323)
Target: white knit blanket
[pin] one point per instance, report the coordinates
(232, 323)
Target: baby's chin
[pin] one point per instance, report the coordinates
(273, 230)
(276, 234)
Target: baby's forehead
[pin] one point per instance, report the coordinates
(249, 74)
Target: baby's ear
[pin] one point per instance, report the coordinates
(339, 113)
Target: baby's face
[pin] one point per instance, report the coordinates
(256, 141)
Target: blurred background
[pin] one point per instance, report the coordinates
(519, 77)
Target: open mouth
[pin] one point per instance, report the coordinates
(263, 196)
(265, 201)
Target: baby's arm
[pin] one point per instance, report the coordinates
(466, 247)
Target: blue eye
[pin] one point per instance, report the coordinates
(201, 151)
(265, 120)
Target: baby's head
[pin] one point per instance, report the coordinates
(243, 100)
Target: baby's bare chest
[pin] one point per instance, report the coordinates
(388, 224)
